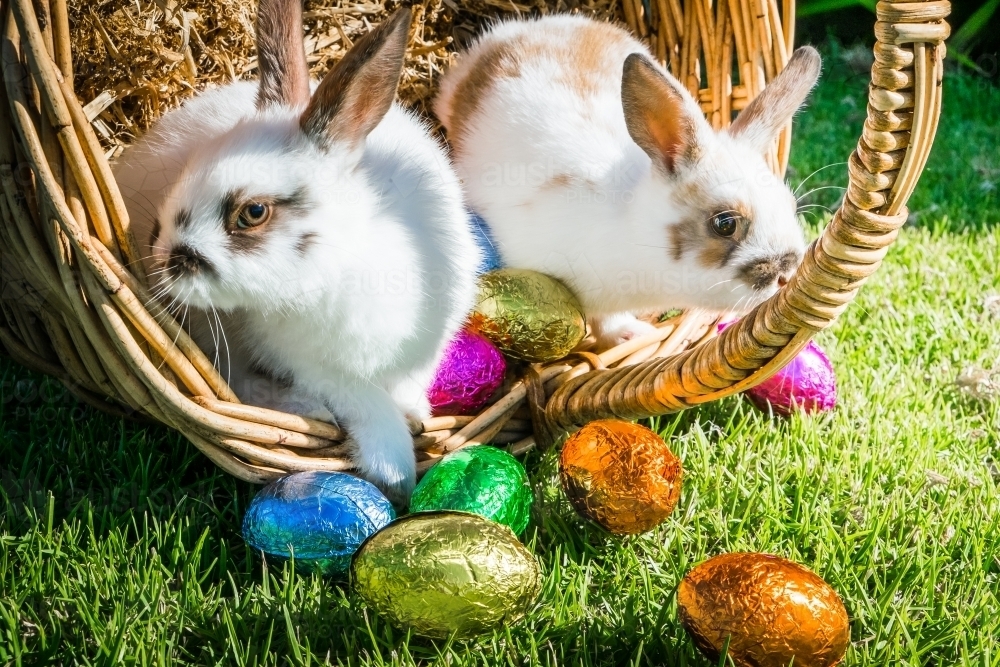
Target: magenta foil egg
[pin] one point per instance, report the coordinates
(807, 383)
(470, 371)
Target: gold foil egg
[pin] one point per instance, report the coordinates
(440, 573)
(528, 315)
(771, 609)
(620, 475)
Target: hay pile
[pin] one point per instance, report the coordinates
(135, 60)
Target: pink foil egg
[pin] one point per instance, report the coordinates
(470, 371)
(807, 383)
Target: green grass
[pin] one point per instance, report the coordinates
(120, 542)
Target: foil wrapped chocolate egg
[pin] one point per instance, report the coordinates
(528, 315)
(320, 517)
(470, 371)
(446, 573)
(620, 475)
(807, 383)
(481, 479)
(771, 611)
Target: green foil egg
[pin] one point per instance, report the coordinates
(482, 479)
(528, 315)
(446, 573)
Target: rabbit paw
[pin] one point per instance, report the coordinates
(396, 482)
(411, 397)
(388, 462)
(618, 328)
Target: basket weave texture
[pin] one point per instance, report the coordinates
(72, 310)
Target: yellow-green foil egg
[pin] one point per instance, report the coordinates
(528, 315)
(444, 573)
(482, 479)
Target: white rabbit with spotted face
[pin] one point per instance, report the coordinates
(591, 163)
(328, 230)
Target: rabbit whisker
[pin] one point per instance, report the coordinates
(215, 339)
(184, 315)
(722, 282)
(835, 164)
(225, 341)
(822, 187)
(162, 290)
(137, 195)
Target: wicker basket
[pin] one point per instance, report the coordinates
(73, 311)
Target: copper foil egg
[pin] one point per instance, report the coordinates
(528, 315)
(771, 609)
(444, 573)
(620, 475)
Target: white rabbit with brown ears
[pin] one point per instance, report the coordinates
(591, 163)
(326, 230)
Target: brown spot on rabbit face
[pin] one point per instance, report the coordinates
(246, 243)
(558, 181)
(182, 220)
(683, 235)
(698, 234)
(230, 205)
(295, 204)
(246, 239)
(305, 242)
(717, 252)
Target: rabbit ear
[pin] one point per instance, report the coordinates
(281, 55)
(357, 93)
(761, 121)
(656, 113)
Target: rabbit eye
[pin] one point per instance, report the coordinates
(725, 224)
(253, 214)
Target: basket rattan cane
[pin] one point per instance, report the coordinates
(73, 311)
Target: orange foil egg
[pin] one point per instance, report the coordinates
(620, 475)
(771, 609)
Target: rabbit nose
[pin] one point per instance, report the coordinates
(766, 272)
(185, 259)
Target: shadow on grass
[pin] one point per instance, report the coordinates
(94, 465)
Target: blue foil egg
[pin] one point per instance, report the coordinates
(484, 239)
(320, 517)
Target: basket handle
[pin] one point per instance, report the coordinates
(904, 104)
